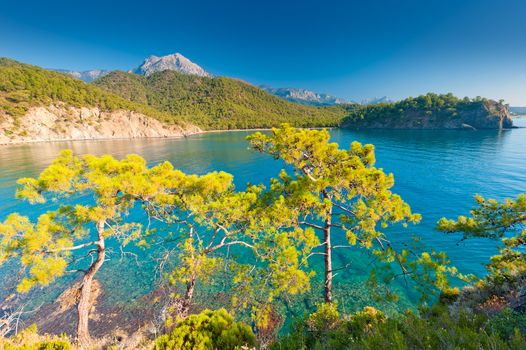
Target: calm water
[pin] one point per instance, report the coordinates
(436, 172)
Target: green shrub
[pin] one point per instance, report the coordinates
(434, 329)
(508, 322)
(29, 339)
(325, 318)
(207, 330)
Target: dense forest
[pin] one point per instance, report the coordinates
(23, 86)
(323, 194)
(216, 103)
(431, 111)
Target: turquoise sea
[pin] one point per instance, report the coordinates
(436, 171)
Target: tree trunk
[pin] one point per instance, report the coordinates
(84, 305)
(328, 253)
(187, 302)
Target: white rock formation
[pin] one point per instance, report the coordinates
(176, 62)
(58, 123)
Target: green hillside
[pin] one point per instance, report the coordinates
(431, 111)
(23, 86)
(216, 103)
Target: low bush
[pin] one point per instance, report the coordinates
(29, 339)
(207, 330)
(433, 329)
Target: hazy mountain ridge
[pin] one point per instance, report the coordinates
(374, 100)
(304, 96)
(179, 63)
(87, 76)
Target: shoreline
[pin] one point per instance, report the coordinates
(184, 135)
(202, 132)
(18, 143)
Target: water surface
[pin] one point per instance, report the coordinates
(436, 171)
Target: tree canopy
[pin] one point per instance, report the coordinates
(340, 192)
(438, 108)
(505, 221)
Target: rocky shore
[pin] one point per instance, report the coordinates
(61, 123)
(487, 114)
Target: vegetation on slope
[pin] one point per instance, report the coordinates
(434, 328)
(208, 330)
(216, 103)
(29, 339)
(23, 86)
(430, 111)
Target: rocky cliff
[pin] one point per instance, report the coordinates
(463, 114)
(58, 123)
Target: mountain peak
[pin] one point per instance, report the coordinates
(175, 61)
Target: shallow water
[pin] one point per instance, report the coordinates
(436, 171)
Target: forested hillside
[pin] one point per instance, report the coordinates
(216, 103)
(432, 111)
(23, 86)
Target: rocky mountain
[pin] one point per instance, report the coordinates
(150, 65)
(175, 62)
(304, 96)
(374, 100)
(87, 76)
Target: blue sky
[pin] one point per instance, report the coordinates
(351, 49)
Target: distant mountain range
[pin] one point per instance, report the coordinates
(304, 96)
(374, 100)
(150, 65)
(177, 62)
(312, 98)
(88, 75)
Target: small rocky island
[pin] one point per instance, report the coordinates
(432, 111)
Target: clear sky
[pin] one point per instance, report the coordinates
(351, 49)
